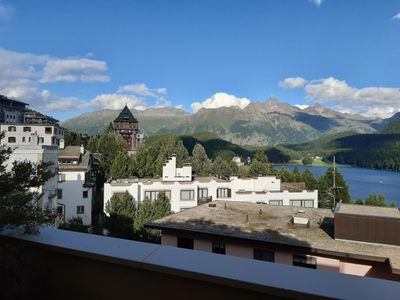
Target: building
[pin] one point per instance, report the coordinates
(35, 152)
(22, 134)
(128, 127)
(34, 117)
(184, 191)
(76, 184)
(312, 238)
(11, 111)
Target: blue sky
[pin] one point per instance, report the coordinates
(67, 57)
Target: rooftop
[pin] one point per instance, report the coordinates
(73, 153)
(273, 225)
(125, 116)
(366, 210)
(70, 152)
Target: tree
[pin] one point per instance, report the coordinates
(121, 166)
(200, 163)
(257, 168)
(261, 156)
(244, 171)
(221, 168)
(327, 193)
(18, 192)
(310, 181)
(122, 214)
(297, 176)
(109, 145)
(285, 175)
(307, 160)
(376, 200)
(359, 202)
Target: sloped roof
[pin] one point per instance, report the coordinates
(126, 116)
(70, 152)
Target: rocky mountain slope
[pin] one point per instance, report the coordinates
(261, 123)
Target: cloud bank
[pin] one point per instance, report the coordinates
(221, 100)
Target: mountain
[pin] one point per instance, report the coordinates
(261, 123)
(393, 126)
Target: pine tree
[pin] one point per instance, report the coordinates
(297, 176)
(257, 168)
(261, 156)
(221, 168)
(327, 194)
(310, 181)
(200, 163)
(109, 145)
(376, 200)
(122, 214)
(18, 199)
(121, 166)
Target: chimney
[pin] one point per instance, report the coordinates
(82, 149)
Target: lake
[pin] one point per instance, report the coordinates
(363, 182)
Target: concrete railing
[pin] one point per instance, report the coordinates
(97, 267)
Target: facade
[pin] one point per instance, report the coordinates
(34, 117)
(23, 134)
(11, 111)
(35, 152)
(286, 235)
(128, 127)
(76, 184)
(186, 192)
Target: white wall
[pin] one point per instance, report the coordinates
(172, 173)
(56, 132)
(72, 196)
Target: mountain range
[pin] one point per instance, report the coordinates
(260, 123)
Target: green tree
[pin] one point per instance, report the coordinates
(359, 202)
(376, 200)
(257, 168)
(285, 175)
(121, 212)
(327, 194)
(109, 145)
(244, 171)
(221, 168)
(121, 166)
(310, 181)
(201, 165)
(298, 177)
(307, 160)
(18, 192)
(261, 156)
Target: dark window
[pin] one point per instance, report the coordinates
(223, 193)
(264, 255)
(27, 129)
(59, 210)
(41, 140)
(185, 243)
(203, 193)
(12, 128)
(12, 139)
(48, 130)
(80, 209)
(23, 139)
(305, 261)
(218, 247)
(85, 194)
(59, 193)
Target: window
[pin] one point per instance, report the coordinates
(223, 193)
(48, 130)
(187, 195)
(12, 139)
(85, 194)
(60, 210)
(185, 243)
(80, 209)
(12, 128)
(203, 193)
(302, 203)
(265, 255)
(41, 140)
(61, 177)
(305, 261)
(59, 194)
(26, 129)
(218, 247)
(152, 195)
(23, 139)
(275, 202)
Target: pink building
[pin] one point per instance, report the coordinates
(302, 237)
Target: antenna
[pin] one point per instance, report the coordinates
(334, 181)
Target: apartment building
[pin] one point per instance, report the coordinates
(354, 240)
(185, 192)
(11, 111)
(76, 184)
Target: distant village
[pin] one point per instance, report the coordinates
(255, 217)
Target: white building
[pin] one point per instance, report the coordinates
(76, 184)
(186, 193)
(22, 134)
(34, 152)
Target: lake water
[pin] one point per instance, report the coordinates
(363, 182)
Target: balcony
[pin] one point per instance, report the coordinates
(73, 265)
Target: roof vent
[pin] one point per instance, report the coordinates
(301, 211)
(212, 205)
(301, 222)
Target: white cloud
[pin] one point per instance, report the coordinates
(72, 70)
(370, 101)
(317, 2)
(221, 100)
(396, 17)
(115, 101)
(292, 82)
(141, 89)
(6, 11)
(302, 106)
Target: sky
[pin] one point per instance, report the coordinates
(69, 57)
